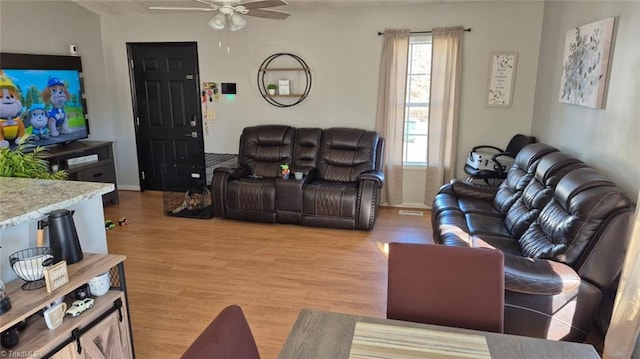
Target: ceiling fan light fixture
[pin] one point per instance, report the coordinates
(236, 22)
(217, 22)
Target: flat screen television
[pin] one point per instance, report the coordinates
(42, 96)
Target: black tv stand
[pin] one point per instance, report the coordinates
(99, 168)
(62, 145)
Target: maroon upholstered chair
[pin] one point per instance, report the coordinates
(452, 286)
(228, 336)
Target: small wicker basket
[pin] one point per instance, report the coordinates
(29, 264)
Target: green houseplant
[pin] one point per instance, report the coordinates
(19, 163)
(271, 88)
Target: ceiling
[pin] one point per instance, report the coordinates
(124, 7)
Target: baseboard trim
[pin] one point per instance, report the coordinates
(129, 188)
(405, 212)
(407, 205)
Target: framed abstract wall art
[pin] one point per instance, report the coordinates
(586, 63)
(502, 72)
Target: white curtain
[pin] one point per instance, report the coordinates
(446, 79)
(625, 321)
(390, 112)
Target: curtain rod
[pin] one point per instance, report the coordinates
(421, 32)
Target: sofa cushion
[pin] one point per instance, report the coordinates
(520, 175)
(474, 205)
(482, 224)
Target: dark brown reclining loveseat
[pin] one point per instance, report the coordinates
(563, 229)
(341, 184)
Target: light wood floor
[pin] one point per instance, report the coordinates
(182, 272)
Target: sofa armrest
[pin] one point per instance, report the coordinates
(474, 190)
(370, 183)
(233, 172)
(538, 276)
(222, 175)
(375, 176)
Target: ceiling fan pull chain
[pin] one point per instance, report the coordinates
(228, 41)
(219, 40)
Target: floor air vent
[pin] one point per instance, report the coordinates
(410, 213)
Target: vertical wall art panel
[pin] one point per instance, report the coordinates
(586, 62)
(502, 74)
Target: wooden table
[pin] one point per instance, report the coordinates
(326, 335)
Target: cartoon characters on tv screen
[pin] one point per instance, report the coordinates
(43, 119)
(39, 121)
(11, 125)
(56, 95)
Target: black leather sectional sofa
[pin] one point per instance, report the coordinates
(341, 184)
(563, 228)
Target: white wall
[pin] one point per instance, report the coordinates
(606, 139)
(343, 51)
(49, 27)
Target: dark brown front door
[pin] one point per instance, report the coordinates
(166, 108)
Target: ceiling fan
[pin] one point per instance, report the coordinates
(230, 10)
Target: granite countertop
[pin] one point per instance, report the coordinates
(25, 199)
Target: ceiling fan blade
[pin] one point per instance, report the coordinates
(263, 4)
(268, 14)
(205, 2)
(182, 8)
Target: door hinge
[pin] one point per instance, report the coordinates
(131, 63)
(143, 177)
(137, 121)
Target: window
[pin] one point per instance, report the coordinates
(416, 114)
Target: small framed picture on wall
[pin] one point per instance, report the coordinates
(502, 75)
